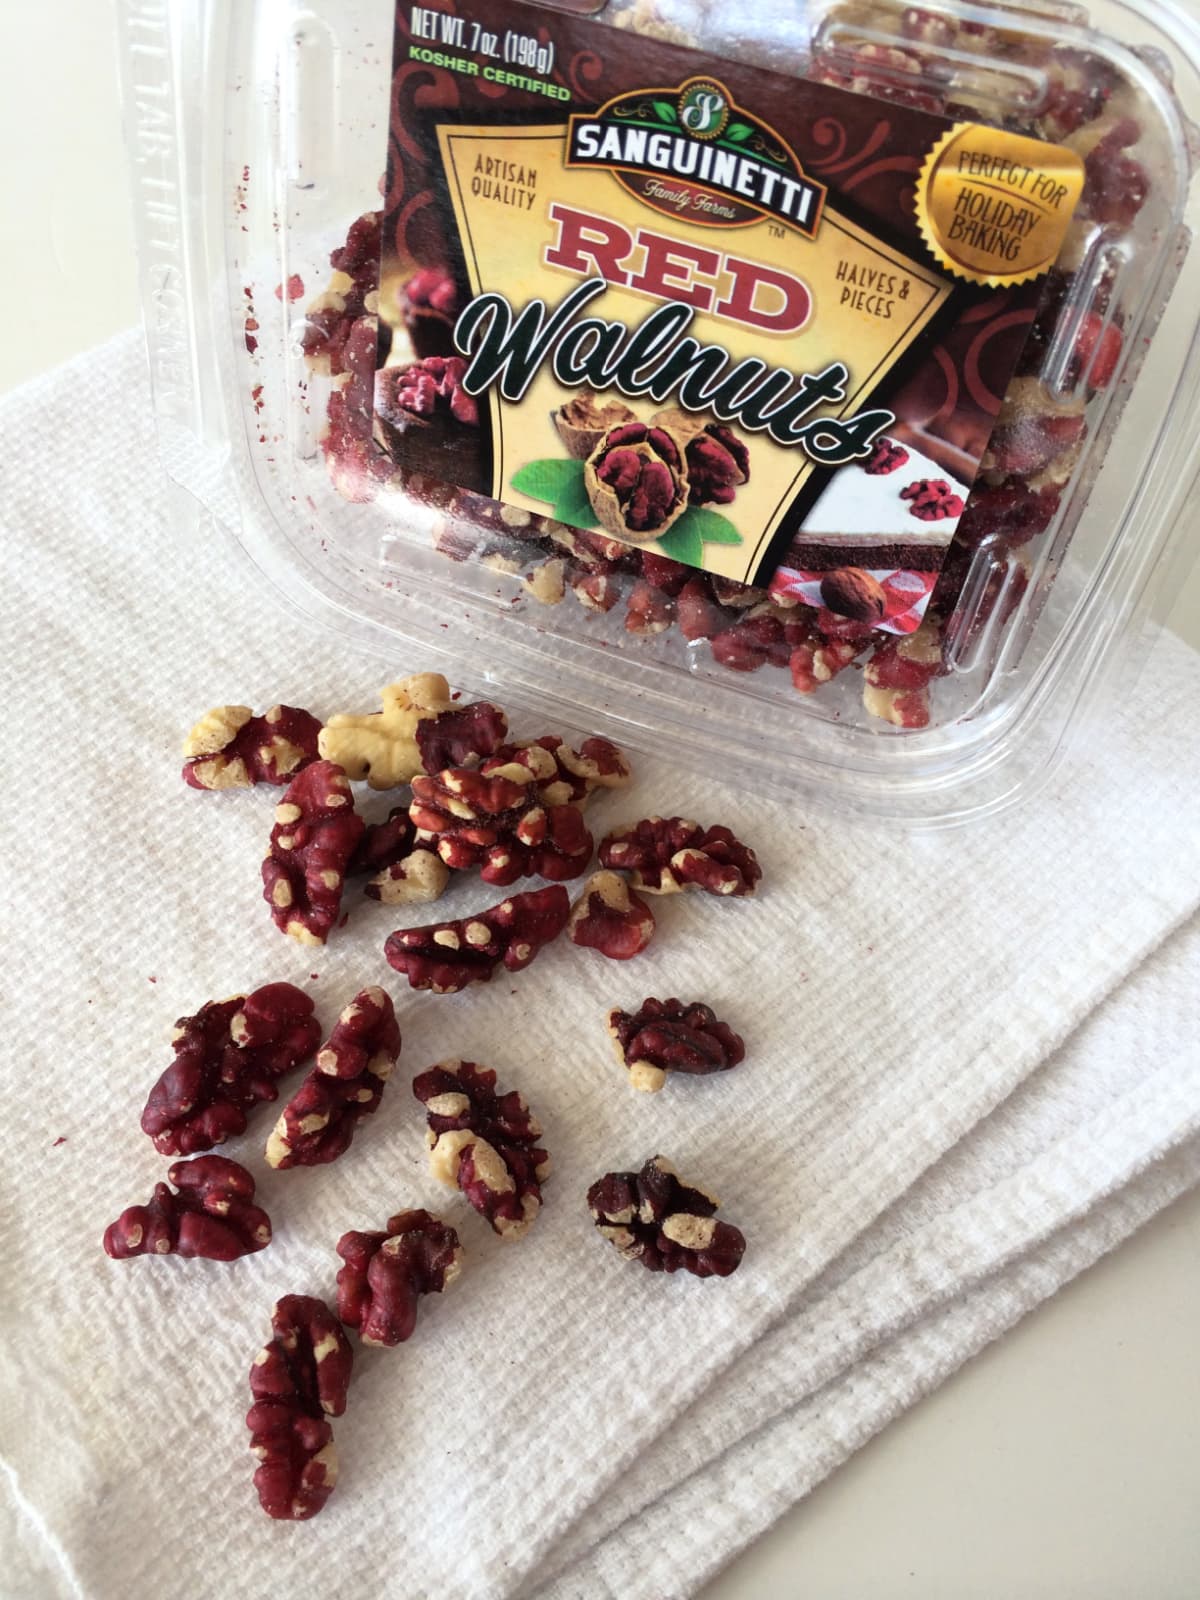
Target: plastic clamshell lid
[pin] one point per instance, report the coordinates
(258, 135)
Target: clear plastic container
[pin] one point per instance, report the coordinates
(258, 130)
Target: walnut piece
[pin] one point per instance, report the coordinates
(897, 677)
(312, 846)
(669, 854)
(665, 1036)
(445, 957)
(346, 1085)
(227, 1059)
(461, 737)
(299, 1380)
(385, 1274)
(212, 1215)
(610, 918)
(418, 880)
(565, 776)
(654, 1217)
(485, 1143)
(382, 746)
(231, 748)
(493, 819)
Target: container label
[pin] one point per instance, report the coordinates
(757, 325)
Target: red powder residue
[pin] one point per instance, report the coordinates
(295, 288)
(62, 1139)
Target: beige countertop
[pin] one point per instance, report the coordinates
(1064, 1462)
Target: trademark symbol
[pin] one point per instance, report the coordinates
(777, 232)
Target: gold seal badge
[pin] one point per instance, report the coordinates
(994, 207)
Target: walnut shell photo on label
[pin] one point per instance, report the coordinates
(637, 482)
(584, 420)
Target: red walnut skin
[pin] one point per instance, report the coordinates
(610, 918)
(313, 842)
(461, 737)
(447, 956)
(666, 854)
(318, 1124)
(298, 1381)
(385, 1275)
(485, 1142)
(227, 1059)
(653, 1217)
(259, 745)
(665, 1036)
(213, 1215)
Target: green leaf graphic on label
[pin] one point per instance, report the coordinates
(712, 527)
(560, 482)
(739, 132)
(573, 506)
(664, 110)
(546, 480)
(696, 527)
(683, 543)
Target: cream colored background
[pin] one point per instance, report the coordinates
(1064, 1462)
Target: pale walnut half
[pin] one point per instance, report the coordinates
(381, 747)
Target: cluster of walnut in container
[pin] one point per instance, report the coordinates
(478, 803)
(1026, 471)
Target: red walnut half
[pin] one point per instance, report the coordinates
(386, 1274)
(609, 917)
(448, 956)
(667, 854)
(227, 1059)
(652, 1216)
(484, 1143)
(494, 819)
(298, 1380)
(313, 842)
(231, 748)
(664, 1036)
(319, 1121)
(637, 481)
(213, 1215)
